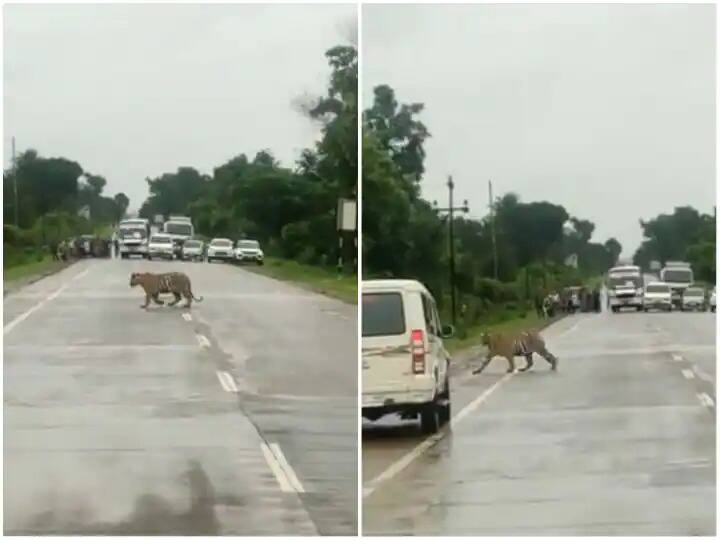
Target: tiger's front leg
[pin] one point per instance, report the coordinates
(177, 299)
(511, 363)
(483, 366)
(156, 299)
(147, 301)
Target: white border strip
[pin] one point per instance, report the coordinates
(398, 466)
(287, 469)
(20, 318)
(276, 469)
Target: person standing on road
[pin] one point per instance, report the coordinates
(539, 305)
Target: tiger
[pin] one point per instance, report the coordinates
(176, 283)
(510, 345)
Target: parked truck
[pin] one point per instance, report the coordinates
(679, 275)
(180, 229)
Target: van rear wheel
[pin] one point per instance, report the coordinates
(430, 419)
(444, 408)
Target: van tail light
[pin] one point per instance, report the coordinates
(417, 347)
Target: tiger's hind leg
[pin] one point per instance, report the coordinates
(188, 298)
(528, 362)
(156, 299)
(177, 299)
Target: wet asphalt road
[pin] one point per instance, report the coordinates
(620, 441)
(238, 416)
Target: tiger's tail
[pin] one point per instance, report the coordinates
(195, 297)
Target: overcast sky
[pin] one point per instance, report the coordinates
(608, 110)
(130, 91)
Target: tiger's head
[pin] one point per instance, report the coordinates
(136, 279)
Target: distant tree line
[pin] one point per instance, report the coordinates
(292, 211)
(684, 235)
(56, 199)
(403, 236)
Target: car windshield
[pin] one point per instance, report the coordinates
(382, 314)
(178, 228)
(624, 281)
(678, 276)
(658, 289)
(132, 233)
(249, 244)
(221, 243)
(161, 240)
(192, 244)
(694, 292)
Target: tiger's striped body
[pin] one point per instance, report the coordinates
(175, 283)
(511, 345)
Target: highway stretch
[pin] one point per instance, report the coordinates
(620, 441)
(238, 416)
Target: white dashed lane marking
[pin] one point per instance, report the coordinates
(202, 340)
(706, 400)
(688, 373)
(187, 317)
(677, 357)
(227, 381)
(702, 375)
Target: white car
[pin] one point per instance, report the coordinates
(192, 250)
(405, 367)
(249, 251)
(693, 299)
(658, 295)
(220, 249)
(712, 300)
(160, 246)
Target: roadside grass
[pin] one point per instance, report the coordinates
(520, 321)
(322, 280)
(32, 269)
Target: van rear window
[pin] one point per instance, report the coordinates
(382, 314)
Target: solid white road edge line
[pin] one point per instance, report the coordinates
(287, 469)
(276, 469)
(20, 318)
(399, 465)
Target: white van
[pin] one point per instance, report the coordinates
(405, 365)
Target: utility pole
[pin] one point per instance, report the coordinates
(450, 211)
(14, 169)
(492, 230)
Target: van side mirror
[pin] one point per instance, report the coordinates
(447, 331)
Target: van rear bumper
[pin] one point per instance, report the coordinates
(397, 401)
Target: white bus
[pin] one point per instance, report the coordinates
(625, 287)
